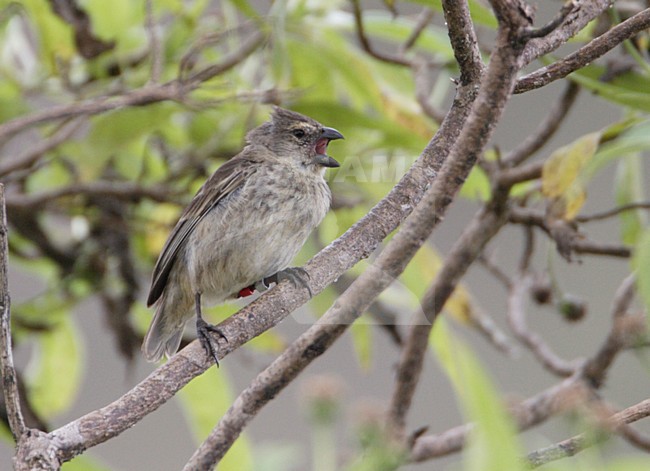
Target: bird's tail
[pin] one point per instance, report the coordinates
(163, 336)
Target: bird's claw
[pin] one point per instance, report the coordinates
(296, 275)
(204, 333)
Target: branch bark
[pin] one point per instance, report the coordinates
(586, 54)
(9, 380)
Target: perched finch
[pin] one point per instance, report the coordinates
(242, 229)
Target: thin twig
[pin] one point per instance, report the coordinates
(529, 413)
(123, 190)
(495, 270)
(173, 90)
(596, 367)
(517, 321)
(365, 42)
(578, 244)
(9, 381)
(546, 129)
(613, 212)
(29, 158)
(574, 445)
(424, 18)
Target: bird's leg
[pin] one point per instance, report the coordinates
(204, 331)
(296, 275)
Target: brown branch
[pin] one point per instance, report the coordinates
(613, 212)
(122, 190)
(583, 12)
(464, 43)
(424, 18)
(546, 129)
(9, 381)
(259, 316)
(586, 54)
(365, 42)
(597, 366)
(574, 445)
(517, 321)
(529, 413)
(389, 264)
(522, 173)
(30, 157)
(483, 227)
(577, 243)
(173, 90)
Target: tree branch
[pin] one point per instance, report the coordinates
(9, 380)
(583, 12)
(574, 445)
(389, 264)
(517, 321)
(546, 129)
(122, 190)
(173, 90)
(365, 42)
(265, 312)
(485, 225)
(586, 54)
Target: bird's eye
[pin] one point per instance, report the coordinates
(299, 133)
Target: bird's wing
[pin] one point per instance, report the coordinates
(227, 179)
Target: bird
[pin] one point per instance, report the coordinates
(242, 229)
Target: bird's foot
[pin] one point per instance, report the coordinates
(204, 333)
(296, 275)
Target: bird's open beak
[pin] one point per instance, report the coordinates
(328, 134)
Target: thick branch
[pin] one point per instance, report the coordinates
(268, 310)
(389, 264)
(463, 41)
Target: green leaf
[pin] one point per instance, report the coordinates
(629, 189)
(630, 90)
(56, 38)
(477, 186)
(641, 263)
(83, 463)
(494, 443)
(362, 340)
(205, 399)
(118, 20)
(635, 139)
(54, 373)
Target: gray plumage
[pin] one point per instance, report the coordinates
(246, 223)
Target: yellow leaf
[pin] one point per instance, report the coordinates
(562, 176)
(564, 165)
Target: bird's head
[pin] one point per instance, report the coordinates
(292, 135)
